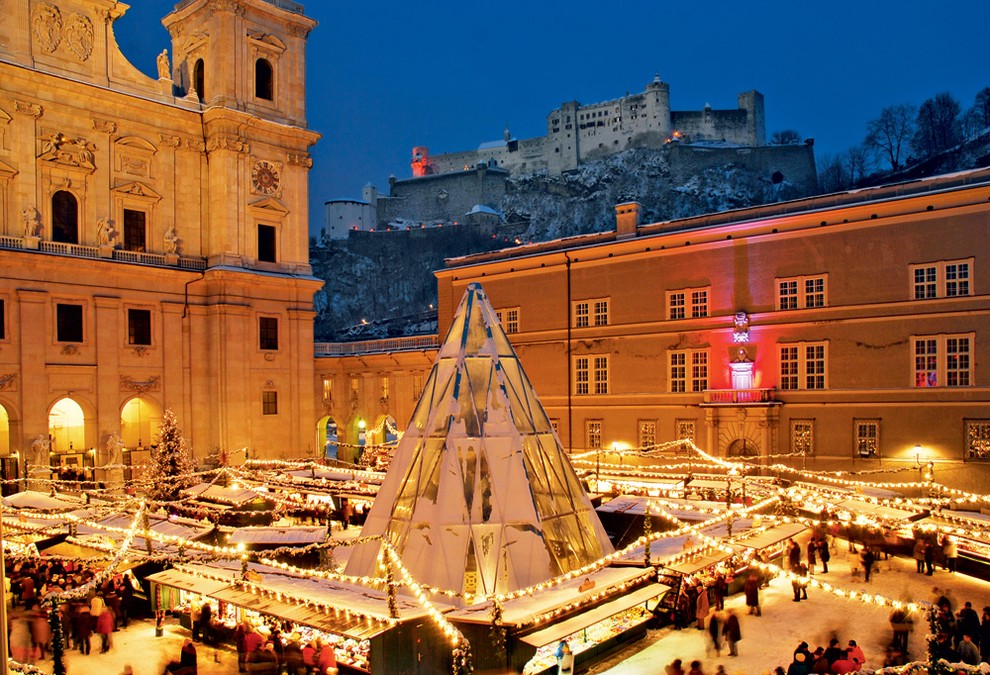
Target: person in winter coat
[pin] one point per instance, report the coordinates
(83, 628)
(565, 660)
(968, 651)
(855, 653)
(929, 558)
(869, 557)
(951, 552)
(309, 657)
(844, 664)
(104, 626)
(732, 632)
(326, 661)
(19, 640)
(824, 554)
(918, 554)
(751, 589)
(701, 607)
(695, 668)
(985, 635)
(800, 665)
(715, 632)
(819, 664)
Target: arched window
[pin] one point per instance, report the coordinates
(65, 217)
(199, 79)
(264, 80)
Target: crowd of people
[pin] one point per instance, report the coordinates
(102, 611)
(271, 654)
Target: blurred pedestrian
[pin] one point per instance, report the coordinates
(732, 632)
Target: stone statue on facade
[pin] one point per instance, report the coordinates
(171, 240)
(32, 222)
(106, 234)
(164, 70)
(114, 448)
(39, 448)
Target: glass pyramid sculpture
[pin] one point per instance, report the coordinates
(480, 497)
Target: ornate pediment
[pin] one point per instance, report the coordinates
(136, 142)
(270, 206)
(6, 170)
(267, 40)
(138, 190)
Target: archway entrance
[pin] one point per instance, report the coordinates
(67, 427)
(4, 432)
(742, 447)
(139, 422)
(327, 437)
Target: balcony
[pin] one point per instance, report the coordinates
(739, 397)
(97, 253)
(383, 346)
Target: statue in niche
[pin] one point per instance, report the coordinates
(171, 240)
(106, 233)
(164, 70)
(114, 448)
(32, 222)
(39, 448)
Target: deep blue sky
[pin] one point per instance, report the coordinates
(392, 74)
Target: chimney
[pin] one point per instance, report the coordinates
(627, 219)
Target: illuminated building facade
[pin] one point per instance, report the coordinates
(848, 329)
(153, 233)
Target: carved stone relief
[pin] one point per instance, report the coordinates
(79, 36)
(128, 383)
(46, 24)
(8, 382)
(59, 148)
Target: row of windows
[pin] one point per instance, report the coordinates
(930, 280)
(65, 228)
(865, 432)
(264, 79)
(941, 360)
(70, 323)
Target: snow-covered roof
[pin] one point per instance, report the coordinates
(481, 208)
(342, 475)
(858, 507)
(31, 499)
(492, 145)
(283, 536)
(225, 495)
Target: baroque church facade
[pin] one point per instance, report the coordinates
(153, 234)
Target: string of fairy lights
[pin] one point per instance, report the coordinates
(826, 484)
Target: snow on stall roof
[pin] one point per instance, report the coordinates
(481, 208)
(208, 491)
(525, 609)
(185, 528)
(636, 505)
(338, 594)
(278, 535)
(325, 473)
(31, 499)
(858, 507)
(662, 550)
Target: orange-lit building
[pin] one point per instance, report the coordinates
(850, 328)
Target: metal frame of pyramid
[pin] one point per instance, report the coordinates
(481, 498)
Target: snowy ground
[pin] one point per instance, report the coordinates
(768, 641)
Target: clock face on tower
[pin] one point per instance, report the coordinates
(266, 177)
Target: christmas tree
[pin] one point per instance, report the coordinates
(171, 462)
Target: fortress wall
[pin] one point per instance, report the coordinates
(795, 162)
(714, 125)
(446, 197)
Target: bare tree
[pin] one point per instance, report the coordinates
(832, 174)
(785, 137)
(889, 134)
(980, 112)
(857, 163)
(937, 127)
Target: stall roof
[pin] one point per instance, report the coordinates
(771, 536)
(886, 512)
(862, 490)
(524, 610)
(338, 475)
(700, 562)
(346, 599)
(714, 483)
(31, 499)
(282, 536)
(562, 629)
(184, 527)
(225, 495)
(665, 548)
(187, 582)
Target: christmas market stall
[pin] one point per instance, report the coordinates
(294, 545)
(967, 532)
(369, 632)
(233, 505)
(594, 614)
(623, 516)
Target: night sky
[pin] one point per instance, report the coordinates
(389, 75)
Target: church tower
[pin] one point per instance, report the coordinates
(244, 62)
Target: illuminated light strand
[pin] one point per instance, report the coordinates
(453, 634)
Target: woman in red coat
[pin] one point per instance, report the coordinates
(326, 662)
(104, 626)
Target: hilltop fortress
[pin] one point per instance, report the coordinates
(470, 187)
(577, 133)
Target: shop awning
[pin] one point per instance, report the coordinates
(698, 563)
(187, 582)
(771, 536)
(562, 629)
(339, 621)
